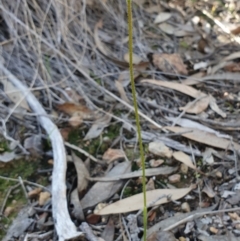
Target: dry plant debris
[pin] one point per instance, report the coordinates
(65, 99)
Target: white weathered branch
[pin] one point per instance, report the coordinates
(64, 226)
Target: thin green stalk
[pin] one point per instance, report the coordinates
(130, 33)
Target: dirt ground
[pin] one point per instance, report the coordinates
(70, 165)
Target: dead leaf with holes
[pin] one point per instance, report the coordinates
(113, 154)
(184, 158)
(135, 202)
(207, 138)
(14, 94)
(169, 63)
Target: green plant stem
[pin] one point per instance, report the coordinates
(130, 33)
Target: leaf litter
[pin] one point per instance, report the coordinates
(187, 96)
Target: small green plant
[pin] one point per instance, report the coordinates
(130, 33)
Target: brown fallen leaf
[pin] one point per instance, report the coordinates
(135, 202)
(34, 193)
(204, 137)
(169, 63)
(232, 67)
(236, 31)
(82, 172)
(112, 155)
(121, 91)
(43, 198)
(184, 158)
(72, 108)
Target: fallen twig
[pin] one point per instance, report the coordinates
(63, 224)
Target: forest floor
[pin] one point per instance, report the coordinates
(69, 155)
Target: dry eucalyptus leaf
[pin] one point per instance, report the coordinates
(77, 211)
(208, 189)
(156, 163)
(167, 28)
(82, 172)
(108, 232)
(136, 59)
(162, 17)
(43, 198)
(113, 154)
(195, 125)
(215, 107)
(121, 91)
(148, 172)
(196, 107)
(73, 109)
(101, 191)
(158, 148)
(98, 127)
(34, 145)
(14, 94)
(187, 90)
(169, 63)
(135, 202)
(184, 158)
(162, 236)
(204, 137)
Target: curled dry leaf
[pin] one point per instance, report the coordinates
(196, 107)
(135, 202)
(121, 91)
(214, 107)
(182, 157)
(204, 137)
(82, 172)
(113, 154)
(169, 63)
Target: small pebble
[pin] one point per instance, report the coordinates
(185, 207)
(184, 168)
(174, 178)
(213, 230)
(218, 174)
